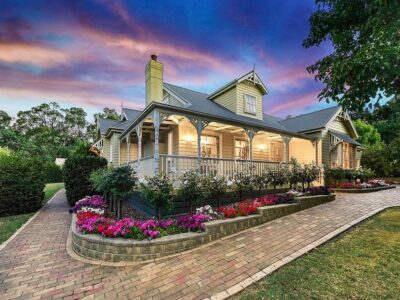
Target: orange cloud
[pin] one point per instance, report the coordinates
(39, 55)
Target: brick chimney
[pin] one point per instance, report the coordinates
(154, 80)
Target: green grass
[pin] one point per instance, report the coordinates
(9, 225)
(51, 189)
(361, 264)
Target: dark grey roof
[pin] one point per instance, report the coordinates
(345, 137)
(104, 124)
(314, 120)
(131, 114)
(200, 103)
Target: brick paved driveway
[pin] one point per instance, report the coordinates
(36, 265)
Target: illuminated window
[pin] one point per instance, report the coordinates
(209, 146)
(250, 104)
(241, 149)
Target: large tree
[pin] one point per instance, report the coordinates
(5, 120)
(365, 63)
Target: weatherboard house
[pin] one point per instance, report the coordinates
(223, 132)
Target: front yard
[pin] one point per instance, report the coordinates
(362, 264)
(10, 224)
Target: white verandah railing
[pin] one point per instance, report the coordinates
(175, 165)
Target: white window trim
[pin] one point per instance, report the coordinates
(111, 152)
(248, 107)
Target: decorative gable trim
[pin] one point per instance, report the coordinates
(346, 117)
(251, 76)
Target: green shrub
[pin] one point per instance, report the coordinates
(77, 170)
(159, 191)
(21, 184)
(53, 173)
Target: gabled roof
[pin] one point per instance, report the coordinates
(310, 121)
(345, 137)
(252, 76)
(105, 124)
(200, 102)
(130, 114)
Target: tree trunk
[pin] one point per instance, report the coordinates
(159, 213)
(308, 184)
(119, 213)
(219, 201)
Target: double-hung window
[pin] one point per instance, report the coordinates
(250, 104)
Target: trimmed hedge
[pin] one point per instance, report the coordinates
(53, 173)
(77, 170)
(21, 184)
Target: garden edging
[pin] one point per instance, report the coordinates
(93, 246)
(364, 190)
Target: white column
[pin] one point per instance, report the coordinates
(138, 130)
(199, 130)
(286, 140)
(128, 147)
(156, 123)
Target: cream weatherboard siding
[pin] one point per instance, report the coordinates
(248, 88)
(228, 99)
(124, 152)
(302, 150)
(233, 99)
(114, 144)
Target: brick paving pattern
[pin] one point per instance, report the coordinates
(35, 264)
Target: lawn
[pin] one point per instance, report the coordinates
(8, 225)
(361, 264)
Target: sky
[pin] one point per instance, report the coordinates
(92, 54)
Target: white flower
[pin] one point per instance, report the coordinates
(143, 181)
(185, 182)
(229, 183)
(173, 170)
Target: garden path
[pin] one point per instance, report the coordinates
(36, 265)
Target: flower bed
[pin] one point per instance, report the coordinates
(96, 236)
(365, 187)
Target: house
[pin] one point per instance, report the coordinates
(222, 132)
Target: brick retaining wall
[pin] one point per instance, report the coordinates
(94, 246)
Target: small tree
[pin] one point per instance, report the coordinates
(121, 182)
(159, 191)
(215, 186)
(278, 177)
(259, 182)
(192, 189)
(241, 183)
(310, 174)
(101, 184)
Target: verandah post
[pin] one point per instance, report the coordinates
(156, 123)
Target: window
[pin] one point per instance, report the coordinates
(209, 146)
(250, 104)
(111, 153)
(241, 149)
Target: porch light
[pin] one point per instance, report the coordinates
(261, 147)
(189, 138)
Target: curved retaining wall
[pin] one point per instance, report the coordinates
(94, 246)
(366, 190)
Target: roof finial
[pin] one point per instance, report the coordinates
(254, 73)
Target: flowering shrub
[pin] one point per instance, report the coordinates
(91, 219)
(346, 185)
(193, 222)
(227, 212)
(274, 199)
(95, 201)
(317, 190)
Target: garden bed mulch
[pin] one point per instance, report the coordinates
(364, 190)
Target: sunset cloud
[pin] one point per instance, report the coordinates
(93, 53)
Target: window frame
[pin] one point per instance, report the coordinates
(249, 105)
